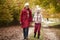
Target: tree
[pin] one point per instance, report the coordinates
(9, 11)
(47, 4)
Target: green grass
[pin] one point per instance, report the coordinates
(32, 37)
(52, 24)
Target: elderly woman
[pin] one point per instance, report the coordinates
(37, 20)
(26, 18)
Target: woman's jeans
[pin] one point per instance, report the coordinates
(25, 32)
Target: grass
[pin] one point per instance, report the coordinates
(52, 24)
(32, 36)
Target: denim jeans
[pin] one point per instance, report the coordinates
(25, 32)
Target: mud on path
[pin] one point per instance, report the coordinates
(11, 33)
(51, 34)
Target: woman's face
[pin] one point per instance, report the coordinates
(27, 7)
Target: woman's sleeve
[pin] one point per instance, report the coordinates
(30, 18)
(21, 16)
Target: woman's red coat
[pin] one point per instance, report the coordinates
(25, 19)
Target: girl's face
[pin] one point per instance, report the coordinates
(38, 11)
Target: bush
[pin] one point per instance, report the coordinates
(9, 12)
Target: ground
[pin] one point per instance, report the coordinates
(51, 34)
(15, 33)
(11, 33)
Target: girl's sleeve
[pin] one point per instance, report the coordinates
(34, 18)
(41, 18)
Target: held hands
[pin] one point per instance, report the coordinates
(20, 22)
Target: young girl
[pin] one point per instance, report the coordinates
(37, 21)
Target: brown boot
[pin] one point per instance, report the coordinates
(27, 38)
(34, 35)
(38, 36)
(24, 39)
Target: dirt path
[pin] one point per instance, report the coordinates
(31, 30)
(50, 34)
(15, 33)
(11, 33)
